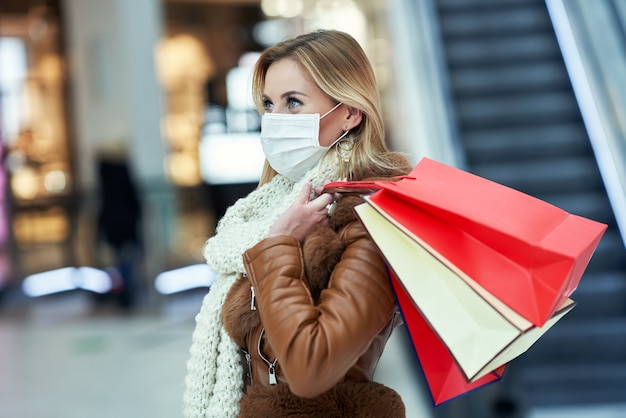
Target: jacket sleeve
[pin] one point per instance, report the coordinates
(317, 345)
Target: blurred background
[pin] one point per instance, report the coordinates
(127, 128)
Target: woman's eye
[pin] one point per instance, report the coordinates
(293, 103)
(267, 105)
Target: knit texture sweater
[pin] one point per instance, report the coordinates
(214, 384)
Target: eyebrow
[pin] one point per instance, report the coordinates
(292, 92)
(287, 94)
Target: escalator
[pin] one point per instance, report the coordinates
(519, 124)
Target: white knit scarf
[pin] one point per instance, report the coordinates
(214, 375)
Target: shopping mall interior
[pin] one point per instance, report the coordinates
(128, 129)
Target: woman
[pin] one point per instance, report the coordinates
(301, 309)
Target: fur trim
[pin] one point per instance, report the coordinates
(322, 250)
(347, 399)
(237, 316)
(322, 247)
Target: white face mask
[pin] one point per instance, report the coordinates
(291, 142)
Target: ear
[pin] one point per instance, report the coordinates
(352, 118)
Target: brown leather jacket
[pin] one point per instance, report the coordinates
(316, 317)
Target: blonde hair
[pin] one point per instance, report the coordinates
(337, 64)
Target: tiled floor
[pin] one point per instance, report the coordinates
(59, 359)
(62, 361)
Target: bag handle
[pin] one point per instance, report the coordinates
(363, 186)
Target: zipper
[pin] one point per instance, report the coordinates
(249, 362)
(271, 366)
(253, 299)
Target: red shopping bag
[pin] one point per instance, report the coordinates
(480, 331)
(526, 252)
(445, 380)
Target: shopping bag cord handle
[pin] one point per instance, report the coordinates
(363, 186)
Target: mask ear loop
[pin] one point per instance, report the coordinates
(344, 151)
(331, 110)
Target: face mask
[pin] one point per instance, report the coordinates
(291, 142)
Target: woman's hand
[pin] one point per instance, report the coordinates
(300, 218)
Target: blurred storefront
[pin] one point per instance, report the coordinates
(161, 87)
(39, 207)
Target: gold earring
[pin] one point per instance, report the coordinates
(344, 151)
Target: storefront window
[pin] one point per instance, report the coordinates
(36, 171)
